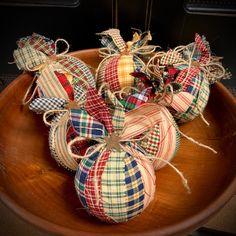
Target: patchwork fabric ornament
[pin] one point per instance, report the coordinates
(115, 182)
(57, 74)
(121, 58)
(194, 68)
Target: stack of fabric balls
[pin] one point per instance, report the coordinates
(119, 125)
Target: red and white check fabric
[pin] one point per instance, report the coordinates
(205, 55)
(97, 108)
(111, 73)
(170, 58)
(93, 197)
(193, 72)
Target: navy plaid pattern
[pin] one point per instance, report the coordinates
(40, 105)
(135, 187)
(79, 93)
(85, 125)
(82, 175)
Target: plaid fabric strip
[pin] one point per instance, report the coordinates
(205, 55)
(118, 113)
(134, 186)
(199, 102)
(142, 41)
(149, 180)
(93, 182)
(108, 43)
(23, 41)
(82, 175)
(27, 57)
(97, 108)
(79, 147)
(114, 34)
(170, 58)
(40, 105)
(79, 70)
(111, 73)
(85, 125)
(80, 94)
(125, 67)
(193, 72)
(49, 83)
(151, 144)
(42, 44)
(101, 73)
(138, 63)
(137, 99)
(113, 187)
(58, 146)
(65, 84)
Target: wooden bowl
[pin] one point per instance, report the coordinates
(42, 193)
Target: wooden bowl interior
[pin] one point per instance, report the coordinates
(41, 192)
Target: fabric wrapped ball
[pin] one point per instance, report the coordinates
(115, 181)
(121, 59)
(194, 68)
(163, 140)
(113, 186)
(56, 74)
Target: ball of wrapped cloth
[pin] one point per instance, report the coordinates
(56, 74)
(115, 180)
(193, 68)
(121, 58)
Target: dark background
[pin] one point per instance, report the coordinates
(171, 23)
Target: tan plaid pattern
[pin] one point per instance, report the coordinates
(28, 57)
(116, 37)
(49, 83)
(125, 67)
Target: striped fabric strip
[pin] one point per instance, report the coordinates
(79, 70)
(180, 102)
(85, 125)
(58, 146)
(134, 186)
(97, 108)
(168, 145)
(93, 182)
(49, 83)
(27, 57)
(101, 73)
(125, 67)
(114, 34)
(111, 73)
(82, 175)
(113, 187)
(40, 105)
(137, 125)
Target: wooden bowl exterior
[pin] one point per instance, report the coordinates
(41, 192)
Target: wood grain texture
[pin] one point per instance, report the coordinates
(42, 193)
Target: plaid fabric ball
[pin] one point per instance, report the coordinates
(112, 182)
(57, 75)
(117, 66)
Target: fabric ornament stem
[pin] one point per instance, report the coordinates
(121, 58)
